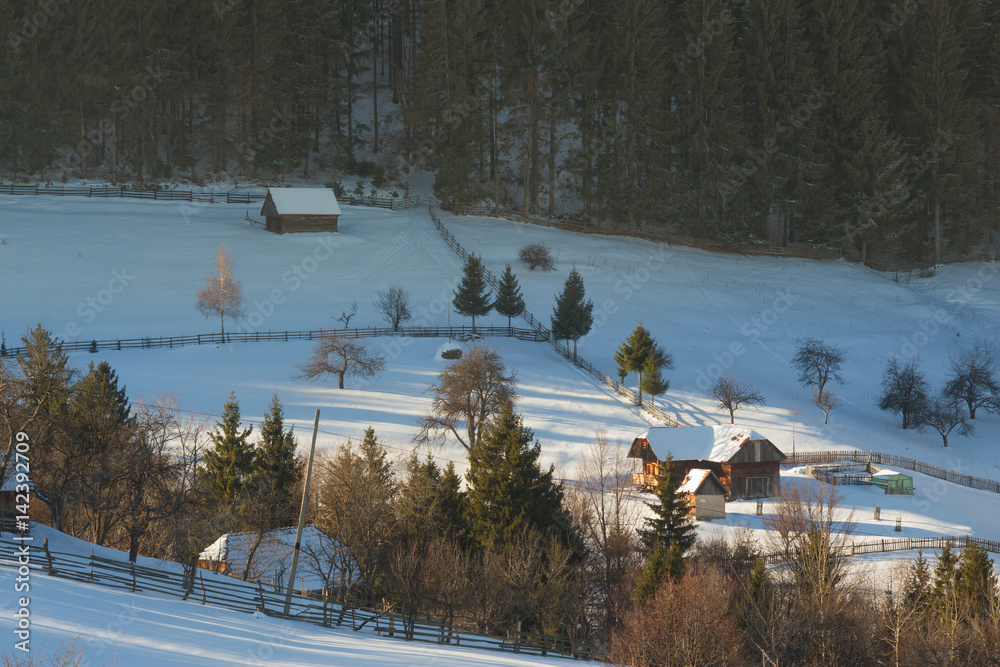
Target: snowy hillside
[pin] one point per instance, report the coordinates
(111, 626)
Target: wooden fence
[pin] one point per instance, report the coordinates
(884, 546)
(149, 342)
(209, 589)
(129, 193)
(893, 460)
(122, 192)
(562, 349)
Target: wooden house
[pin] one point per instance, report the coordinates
(323, 562)
(706, 496)
(747, 463)
(289, 210)
(12, 502)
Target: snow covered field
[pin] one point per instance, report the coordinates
(104, 269)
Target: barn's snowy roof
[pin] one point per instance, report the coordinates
(702, 443)
(305, 201)
(693, 480)
(273, 557)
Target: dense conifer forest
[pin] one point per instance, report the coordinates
(868, 124)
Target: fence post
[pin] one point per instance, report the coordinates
(91, 564)
(132, 568)
(48, 554)
(202, 578)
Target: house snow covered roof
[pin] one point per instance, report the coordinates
(693, 480)
(274, 554)
(304, 201)
(702, 443)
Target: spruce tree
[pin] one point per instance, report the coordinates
(976, 583)
(670, 525)
(432, 504)
(509, 301)
(229, 462)
(472, 297)
(573, 314)
(939, 114)
(276, 470)
(508, 490)
(652, 379)
(632, 355)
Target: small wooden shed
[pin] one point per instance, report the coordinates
(895, 483)
(706, 496)
(288, 210)
(12, 501)
(747, 463)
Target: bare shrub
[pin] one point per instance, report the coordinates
(536, 256)
(394, 305)
(730, 393)
(690, 622)
(455, 353)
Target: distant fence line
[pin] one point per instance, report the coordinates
(587, 227)
(884, 546)
(880, 458)
(150, 342)
(247, 597)
(582, 226)
(563, 349)
(122, 192)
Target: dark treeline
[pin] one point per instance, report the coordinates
(864, 123)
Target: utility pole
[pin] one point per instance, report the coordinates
(302, 519)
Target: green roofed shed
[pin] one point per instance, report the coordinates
(895, 483)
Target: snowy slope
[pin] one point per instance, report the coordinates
(110, 626)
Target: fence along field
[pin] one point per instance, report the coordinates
(221, 591)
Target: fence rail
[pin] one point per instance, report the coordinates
(205, 588)
(887, 546)
(562, 349)
(880, 458)
(149, 342)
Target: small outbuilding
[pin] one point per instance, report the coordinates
(288, 210)
(706, 496)
(16, 497)
(895, 483)
(747, 463)
(267, 558)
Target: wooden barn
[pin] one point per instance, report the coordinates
(12, 502)
(706, 496)
(288, 210)
(323, 562)
(747, 463)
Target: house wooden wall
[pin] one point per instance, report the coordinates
(286, 224)
(707, 506)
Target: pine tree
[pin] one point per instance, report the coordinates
(276, 471)
(508, 491)
(662, 563)
(432, 504)
(228, 463)
(472, 297)
(710, 136)
(509, 301)
(632, 355)
(917, 586)
(652, 379)
(943, 591)
(976, 583)
(939, 114)
(99, 408)
(573, 314)
(670, 524)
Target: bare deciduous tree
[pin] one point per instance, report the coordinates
(974, 378)
(602, 506)
(536, 256)
(731, 392)
(818, 363)
(394, 305)
(904, 390)
(825, 401)
(467, 395)
(339, 355)
(346, 315)
(944, 414)
(223, 293)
